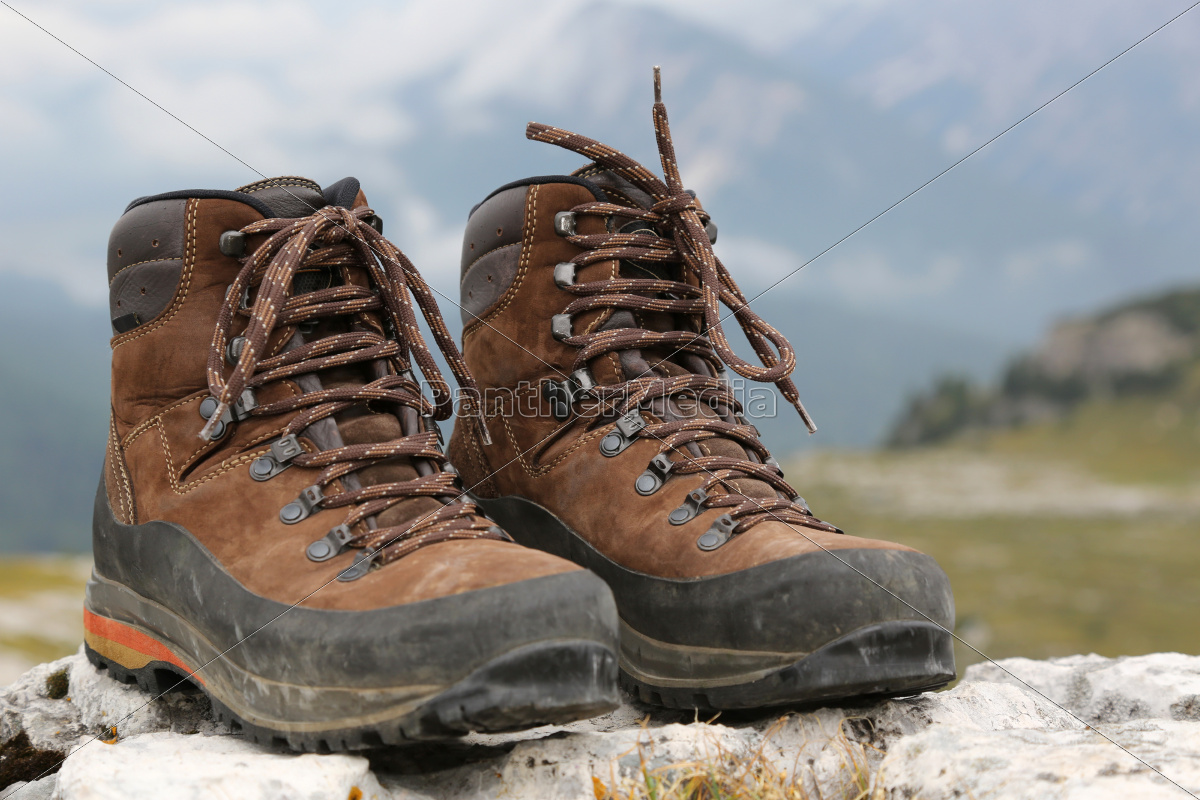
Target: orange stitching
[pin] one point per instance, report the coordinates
(270, 183)
(115, 457)
(191, 485)
(140, 429)
(481, 462)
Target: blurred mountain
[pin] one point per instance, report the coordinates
(854, 371)
(1143, 351)
(794, 133)
(958, 73)
(789, 159)
(53, 416)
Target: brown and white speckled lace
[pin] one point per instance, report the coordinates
(681, 241)
(331, 238)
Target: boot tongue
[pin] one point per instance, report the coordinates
(294, 197)
(619, 190)
(635, 363)
(288, 196)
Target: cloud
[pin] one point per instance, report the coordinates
(869, 276)
(1068, 255)
(757, 264)
(861, 276)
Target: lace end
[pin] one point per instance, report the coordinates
(206, 431)
(485, 436)
(658, 84)
(534, 130)
(808, 420)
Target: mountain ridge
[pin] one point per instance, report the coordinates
(1145, 349)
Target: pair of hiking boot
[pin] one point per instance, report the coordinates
(279, 523)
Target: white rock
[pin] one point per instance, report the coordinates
(42, 789)
(25, 706)
(1099, 690)
(948, 762)
(103, 702)
(1146, 704)
(992, 736)
(159, 765)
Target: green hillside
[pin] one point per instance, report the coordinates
(1120, 388)
(1063, 502)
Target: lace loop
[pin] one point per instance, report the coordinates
(677, 210)
(671, 233)
(329, 239)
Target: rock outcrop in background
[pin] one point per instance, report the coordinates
(1147, 348)
(1050, 732)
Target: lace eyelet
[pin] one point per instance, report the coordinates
(232, 244)
(361, 566)
(268, 465)
(330, 545)
(302, 507)
(237, 412)
(560, 326)
(233, 350)
(564, 223)
(720, 533)
(564, 274)
(561, 395)
(691, 508)
(244, 301)
(623, 434)
(655, 475)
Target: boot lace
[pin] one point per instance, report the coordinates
(672, 232)
(383, 331)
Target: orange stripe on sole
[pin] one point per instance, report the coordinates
(127, 638)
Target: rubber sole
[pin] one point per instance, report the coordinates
(700, 659)
(885, 660)
(536, 684)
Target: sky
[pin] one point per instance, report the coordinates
(828, 111)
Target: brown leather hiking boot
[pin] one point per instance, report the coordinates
(592, 323)
(276, 512)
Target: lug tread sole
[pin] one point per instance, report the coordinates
(883, 659)
(889, 659)
(527, 688)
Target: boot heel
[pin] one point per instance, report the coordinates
(133, 656)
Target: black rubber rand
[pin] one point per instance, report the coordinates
(536, 685)
(802, 630)
(159, 606)
(888, 660)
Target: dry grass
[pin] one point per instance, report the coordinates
(745, 774)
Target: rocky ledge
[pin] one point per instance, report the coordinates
(1078, 727)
